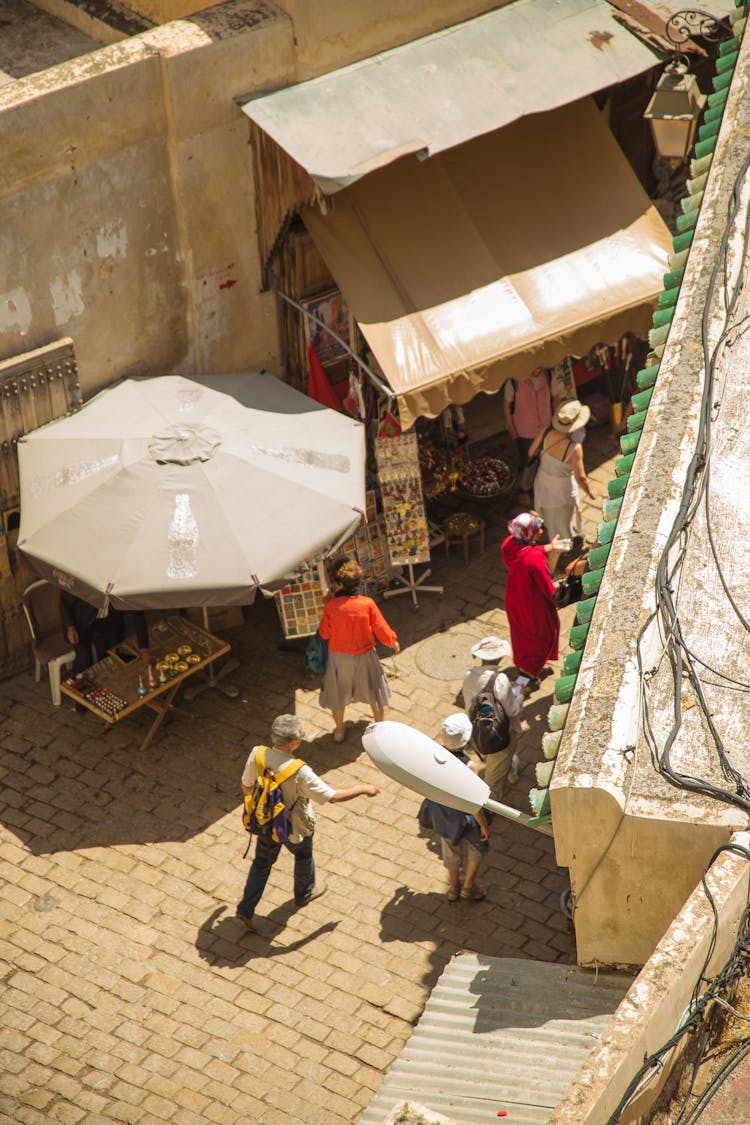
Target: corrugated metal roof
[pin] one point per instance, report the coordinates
(441, 90)
(500, 1033)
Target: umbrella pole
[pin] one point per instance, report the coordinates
(212, 678)
(413, 585)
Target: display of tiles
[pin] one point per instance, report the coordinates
(300, 603)
(369, 547)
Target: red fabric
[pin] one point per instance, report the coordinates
(532, 615)
(318, 386)
(582, 374)
(390, 426)
(349, 622)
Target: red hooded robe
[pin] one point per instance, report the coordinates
(532, 615)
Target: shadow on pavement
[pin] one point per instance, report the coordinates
(224, 942)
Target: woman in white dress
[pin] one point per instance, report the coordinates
(560, 472)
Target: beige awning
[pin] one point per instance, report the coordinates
(515, 249)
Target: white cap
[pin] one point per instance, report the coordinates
(455, 731)
(491, 648)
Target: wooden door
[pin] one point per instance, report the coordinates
(35, 388)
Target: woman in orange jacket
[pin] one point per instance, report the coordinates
(350, 624)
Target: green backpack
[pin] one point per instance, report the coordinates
(264, 813)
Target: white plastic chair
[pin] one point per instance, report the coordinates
(41, 604)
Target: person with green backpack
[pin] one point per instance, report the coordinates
(288, 821)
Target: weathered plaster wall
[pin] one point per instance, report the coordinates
(127, 214)
(655, 1003)
(332, 33)
(329, 34)
(127, 207)
(635, 844)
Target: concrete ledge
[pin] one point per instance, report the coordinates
(654, 1005)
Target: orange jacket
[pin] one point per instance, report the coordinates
(349, 622)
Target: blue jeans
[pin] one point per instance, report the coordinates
(266, 854)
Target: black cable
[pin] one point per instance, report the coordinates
(716, 1082)
(695, 493)
(735, 967)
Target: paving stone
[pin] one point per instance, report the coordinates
(137, 999)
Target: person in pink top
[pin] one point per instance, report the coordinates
(350, 624)
(528, 405)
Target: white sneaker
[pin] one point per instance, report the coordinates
(515, 766)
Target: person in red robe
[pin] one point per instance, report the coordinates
(532, 614)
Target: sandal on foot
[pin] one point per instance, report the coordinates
(453, 894)
(474, 894)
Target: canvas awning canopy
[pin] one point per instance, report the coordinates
(440, 91)
(515, 249)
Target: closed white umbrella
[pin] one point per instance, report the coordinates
(172, 491)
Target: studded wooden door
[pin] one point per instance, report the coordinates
(35, 388)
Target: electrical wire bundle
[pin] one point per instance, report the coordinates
(698, 1010)
(683, 661)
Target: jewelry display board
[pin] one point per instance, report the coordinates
(403, 503)
(300, 603)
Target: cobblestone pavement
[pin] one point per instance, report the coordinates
(131, 994)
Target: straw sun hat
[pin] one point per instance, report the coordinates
(571, 416)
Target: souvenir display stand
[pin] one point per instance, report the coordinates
(369, 547)
(300, 603)
(120, 684)
(406, 528)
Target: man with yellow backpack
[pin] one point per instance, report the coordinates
(279, 790)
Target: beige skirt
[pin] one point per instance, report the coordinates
(354, 679)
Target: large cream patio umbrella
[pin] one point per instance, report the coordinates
(170, 491)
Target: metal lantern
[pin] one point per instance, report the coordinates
(674, 110)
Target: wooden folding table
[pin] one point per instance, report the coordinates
(110, 688)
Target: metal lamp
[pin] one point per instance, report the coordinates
(674, 110)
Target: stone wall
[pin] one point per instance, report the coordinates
(127, 212)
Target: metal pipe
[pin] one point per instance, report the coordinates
(520, 818)
(381, 386)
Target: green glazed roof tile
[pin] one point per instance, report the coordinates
(646, 377)
(629, 442)
(674, 277)
(597, 558)
(623, 465)
(617, 486)
(585, 609)
(611, 509)
(683, 241)
(606, 531)
(666, 299)
(709, 129)
(686, 221)
(599, 555)
(691, 202)
(727, 61)
(592, 580)
(564, 688)
(578, 635)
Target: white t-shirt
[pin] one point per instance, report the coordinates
(476, 678)
(304, 785)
